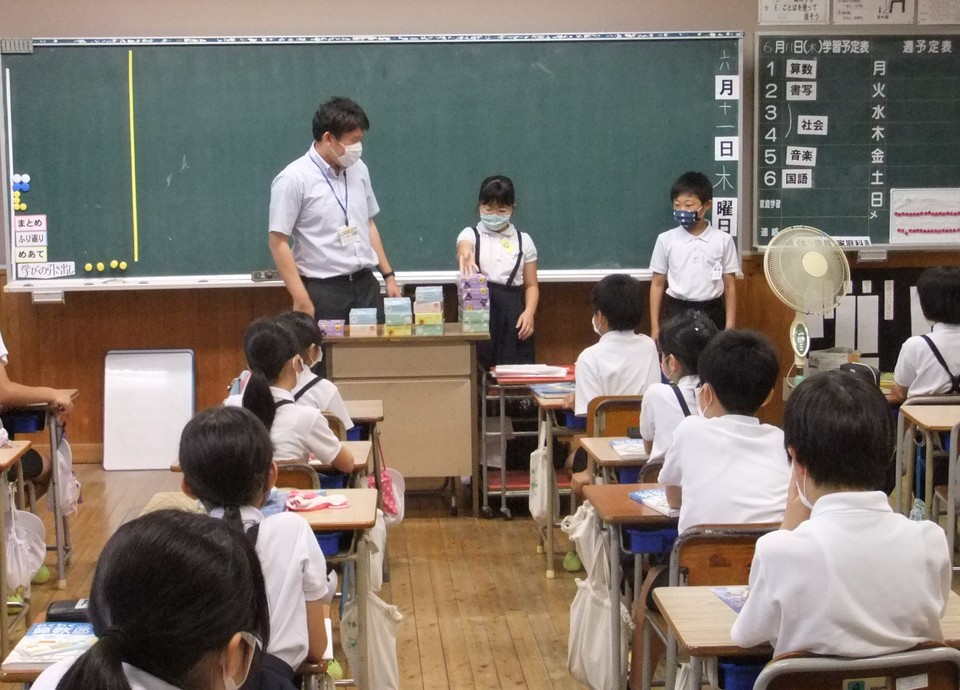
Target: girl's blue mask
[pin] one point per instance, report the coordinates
(495, 221)
(687, 218)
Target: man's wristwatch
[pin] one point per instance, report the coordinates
(390, 274)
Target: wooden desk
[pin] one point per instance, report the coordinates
(362, 454)
(55, 429)
(9, 456)
(605, 457)
(929, 419)
(701, 623)
(358, 517)
(369, 413)
(427, 385)
(617, 509)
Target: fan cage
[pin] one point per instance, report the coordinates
(785, 261)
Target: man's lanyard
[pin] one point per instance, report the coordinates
(345, 204)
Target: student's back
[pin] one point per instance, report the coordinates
(918, 370)
(728, 466)
(623, 362)
(845, 575)
(682, 339)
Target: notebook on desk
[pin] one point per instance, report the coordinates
(553, 390)
(629, 448)
(655, 499)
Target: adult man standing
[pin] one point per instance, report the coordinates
(325, 202)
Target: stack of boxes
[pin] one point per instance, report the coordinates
(398, 319)
(428, 310)
(363, 322)
(474, 303)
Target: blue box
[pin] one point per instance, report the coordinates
(429, 293)
(333, 543)
(397, 305)
(649, 541)
(628, 475)
(361, 317)
(739, 674)
(572, 421)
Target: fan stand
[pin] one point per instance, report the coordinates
(800, 342)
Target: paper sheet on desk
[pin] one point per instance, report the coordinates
(529, 370)
(303, 501)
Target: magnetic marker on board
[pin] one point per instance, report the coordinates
(114, 263)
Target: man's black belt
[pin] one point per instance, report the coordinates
(349, 278)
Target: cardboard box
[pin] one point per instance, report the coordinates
(428, 329)
(362, 330)
(428, 307)
(363, 317)
(474, 304)
(396, 305)
(475, 316)
(422, 319)
(475, 327)
(429, 293)
(475, 280)
(394, 319)
(393, 331)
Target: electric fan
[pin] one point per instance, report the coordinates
(808, 271)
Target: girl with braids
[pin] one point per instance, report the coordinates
(226, 457)
(177, 602)
(297, 431)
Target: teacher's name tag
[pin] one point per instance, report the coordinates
(349, 235)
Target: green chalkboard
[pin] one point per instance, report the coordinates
(858, 136)
(592, 129)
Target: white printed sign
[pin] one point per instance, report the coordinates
(30, 238)
(801, 69)
(798, 179)
(30, 255)
(801, 155)
(727, 88)
(812, 124)
(57, 269)
(801, 90)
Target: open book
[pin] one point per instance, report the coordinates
(656, 499)
(734, 596)
(44, 644)
(629, 448)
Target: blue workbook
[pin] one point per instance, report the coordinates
(656, 499)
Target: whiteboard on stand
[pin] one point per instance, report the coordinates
(148, 398)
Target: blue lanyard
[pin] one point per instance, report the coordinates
(345, 204)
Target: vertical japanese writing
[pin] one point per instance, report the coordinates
(878, 141)
(726, 140)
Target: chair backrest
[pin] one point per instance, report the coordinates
(650, 472)
(336, 426)
(715, 554)
(931, 665)
(612, 415)
(296, 475)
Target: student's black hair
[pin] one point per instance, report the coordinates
(338, 116)
(840, 428)
(742, 368)
(225, 454)
(685, 336)
(939, 293)
(497, 190)
(304, 328)
(695, 183)
(170, 589)
(620, 298)
(268, 345)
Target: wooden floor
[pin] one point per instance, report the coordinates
(478, 611)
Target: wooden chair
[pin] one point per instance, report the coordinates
(718, 555)
(336, 426)
(650, 472)
(612, 415)
(297, 475)
(938, 665)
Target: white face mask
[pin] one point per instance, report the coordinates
(696, 398)
(351, 154)
(596, 326)
(803, 493)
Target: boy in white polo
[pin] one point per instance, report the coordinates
(724, 466)
(930, 364)
(693, 264)
(845, 576)
(624, 362)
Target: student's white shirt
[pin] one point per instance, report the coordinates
(621, 363)
(303, 205)
(138, 680)
(294, 572)
(298, 430)
(694, 264)
(856, 579)
(322, 395)
(732, 469)
(661, 413)
(919, 371)
(3, 351)
(498, 252)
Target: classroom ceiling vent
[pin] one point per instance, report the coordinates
(807, 270)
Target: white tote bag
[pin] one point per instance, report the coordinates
(540, 484)
(69, 485)
(26, 547)
(584, 530)
(590, 641)
(383, 673)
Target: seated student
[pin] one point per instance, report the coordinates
(226, 456)
(623, 362)
(845, 575)
(36, 467)
(177, 601)
(298, 432)
(312, 390)
(930, 364)
(724, 466)
(682, 339)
